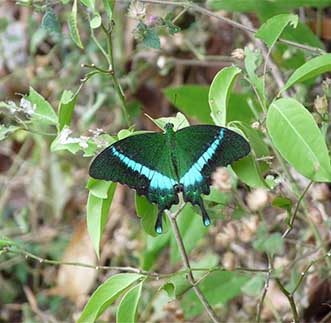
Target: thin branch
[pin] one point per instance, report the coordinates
(117, 85)
(289, 296)
(293, 217)
(28, 255)
(264, 293)
(231, 22)
(186, 262)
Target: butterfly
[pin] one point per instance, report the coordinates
(161, 165)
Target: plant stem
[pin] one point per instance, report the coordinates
(113, 75)
(293, 217)
(264, 293)
(289, 296)
(186, 262)
(231, 22)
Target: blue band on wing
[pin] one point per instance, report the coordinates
(193, 175)
(158, 180)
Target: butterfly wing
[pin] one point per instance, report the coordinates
(142, 162)
(200, 150)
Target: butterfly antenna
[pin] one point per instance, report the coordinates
(205, 217)
(158, 224)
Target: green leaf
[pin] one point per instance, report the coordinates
(43, 112)
(254, 286)
(192, 230)
(154, 246)
(5, 242)
(88, 3)
(5, 131)
(98, 188)
(253, 60)
(191, 100)
(285, 204)
(271, 244)
(311, 69)
(148, 214)
(73, 26)
(95, 22)
(271, 30)
(151, 38)
(179, 121)
(97, 215)
(105, 295)
(109, 6)
(66, 108)
(218, 288)
(297, 137)
(219, 93)
(127, 309)
(248, 169)
(50, 22)
(249, 172)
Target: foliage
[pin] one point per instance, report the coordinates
(88, 79)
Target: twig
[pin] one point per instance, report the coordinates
(186, 262)
(264, 293)
(266, 55)
(231, 22)
(116, 83)
(290, 298)
(293, 217)
(26, 254)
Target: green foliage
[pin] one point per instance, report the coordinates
(219, 93)
(98, 205)
(191, 100)
(311, 69)
(283, 133)
(127, 308)
(296, 135)
(73, 26)
(106, 293)
(271, 30)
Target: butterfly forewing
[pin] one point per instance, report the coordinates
(142, 162)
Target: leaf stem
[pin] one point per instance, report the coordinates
(187, 265)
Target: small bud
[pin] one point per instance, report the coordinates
(238, 53)
(315, 215)
(229, 261)
(257, 199)
(137, 10)
(222, 179)
(320, 192)
(321, 104)
(255, 125)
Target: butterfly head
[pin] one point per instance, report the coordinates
(169, 126)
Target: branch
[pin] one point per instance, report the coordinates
(290, 298)
(186, 262)
(293, 217)
(264, 293)
(117, 85)
(231, 22)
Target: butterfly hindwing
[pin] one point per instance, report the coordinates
(201, 149)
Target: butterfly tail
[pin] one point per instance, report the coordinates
(158, 223)
(205, 217)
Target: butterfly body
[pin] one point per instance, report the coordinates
(160, 165)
